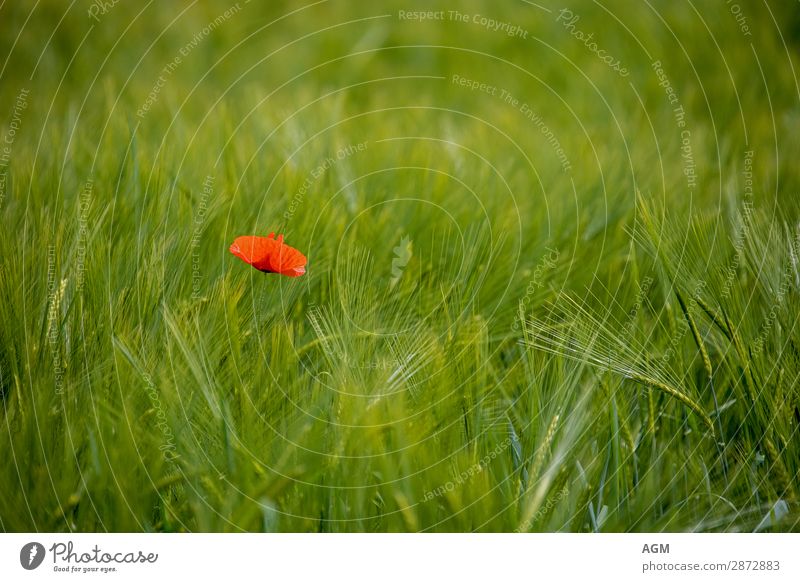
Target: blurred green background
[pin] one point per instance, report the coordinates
(544, 292)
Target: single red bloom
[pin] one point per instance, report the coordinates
(269, 254)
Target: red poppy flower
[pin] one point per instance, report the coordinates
(269, 254)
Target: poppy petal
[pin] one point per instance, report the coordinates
(269, 254)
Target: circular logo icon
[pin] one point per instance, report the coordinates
(31, 555)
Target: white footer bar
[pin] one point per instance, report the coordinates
(400, 557)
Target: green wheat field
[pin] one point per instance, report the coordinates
(553, 277)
